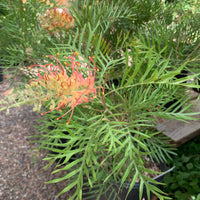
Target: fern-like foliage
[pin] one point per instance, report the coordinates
(177, 30)
(111, 137)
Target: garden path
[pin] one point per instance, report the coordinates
(22, 177)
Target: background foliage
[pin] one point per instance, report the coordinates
(184, 181)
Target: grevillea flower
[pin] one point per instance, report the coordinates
(55, 19)
(63, 89)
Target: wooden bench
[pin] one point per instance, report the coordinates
(179, 131)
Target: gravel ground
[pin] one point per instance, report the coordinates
(21, 176)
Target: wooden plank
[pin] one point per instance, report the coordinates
(180, 132)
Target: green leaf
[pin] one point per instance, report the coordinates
(185, 159)
(189, 166)
(71, 174)
(127, 172)
(68, 188)
(180, 195)
(70, 165)
(141, 188)
(136, 175)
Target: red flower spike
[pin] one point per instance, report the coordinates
(68, 91)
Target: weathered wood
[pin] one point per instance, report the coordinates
(179, 131)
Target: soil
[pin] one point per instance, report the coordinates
(22, 176)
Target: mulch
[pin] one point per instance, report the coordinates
(22, 176)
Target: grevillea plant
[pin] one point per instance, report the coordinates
(67, 90)
(63, 85)
(55, 19)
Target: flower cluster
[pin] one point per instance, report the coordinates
(62, 89)
(55, 19)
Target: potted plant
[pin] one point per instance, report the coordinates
(103, 89)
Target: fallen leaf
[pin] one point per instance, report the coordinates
(155, 198)
(6, 76)
(8, 92)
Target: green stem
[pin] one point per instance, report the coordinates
(18, 104)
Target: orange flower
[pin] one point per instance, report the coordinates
(55, 19)
(68, 91)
